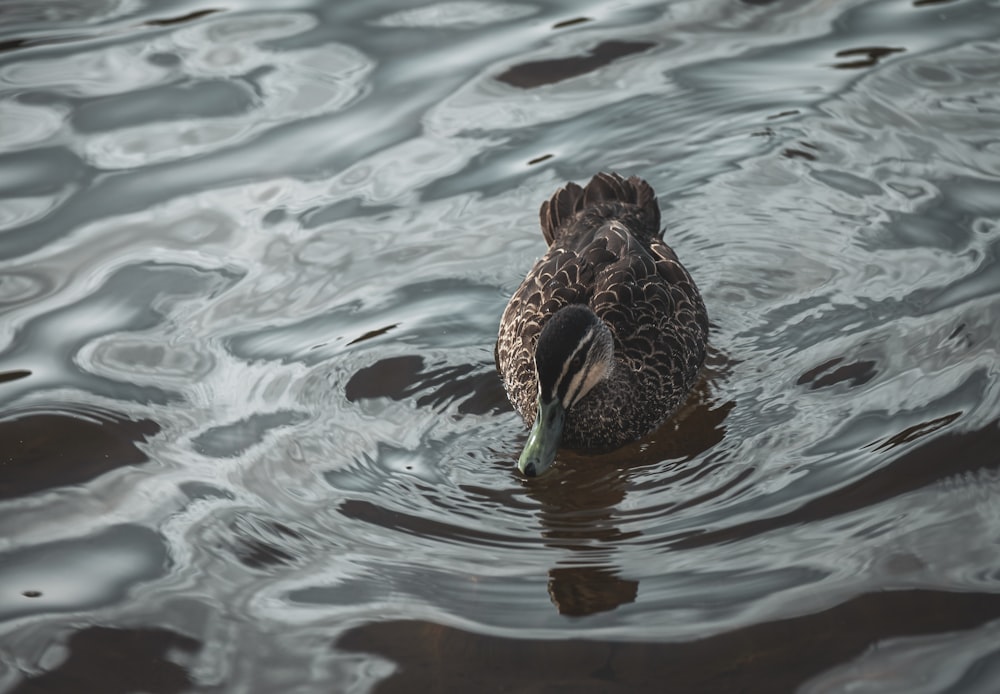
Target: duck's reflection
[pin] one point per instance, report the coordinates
(581, 500)
(577, 591)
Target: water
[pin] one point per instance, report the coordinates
(253, 259)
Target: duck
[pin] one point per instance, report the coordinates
(605, 337)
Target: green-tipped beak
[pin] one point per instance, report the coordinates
(543, 441)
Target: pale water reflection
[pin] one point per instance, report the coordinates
(252, 260)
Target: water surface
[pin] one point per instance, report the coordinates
(252, 260)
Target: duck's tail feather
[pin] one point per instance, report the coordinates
(608, 196)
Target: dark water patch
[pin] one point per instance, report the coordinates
(181, 19)
(539, 160)
(792, 153)
(22, 42)
(864, 57)
(855, 373)
(118, 661)
(912, 433)
(921, 466)
(538, 73)
(35, 457)
(393, 377)
(571, 22)
(14, 375)
(373, 333)
(476, 388)
(777, 656)
(82, 573)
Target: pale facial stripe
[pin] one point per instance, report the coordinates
(584, 344)
(584, 381)
(574, 387)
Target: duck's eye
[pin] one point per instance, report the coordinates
(576, 364)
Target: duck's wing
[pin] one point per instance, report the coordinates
(650, 303)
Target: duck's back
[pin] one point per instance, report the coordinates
(605, 251)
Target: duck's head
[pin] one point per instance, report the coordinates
(574, 353)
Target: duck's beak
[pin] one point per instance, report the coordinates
(543, 441)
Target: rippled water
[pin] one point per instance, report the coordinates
(253, 260)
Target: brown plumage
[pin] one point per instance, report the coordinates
(605, 252)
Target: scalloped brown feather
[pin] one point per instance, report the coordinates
(605, 251)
